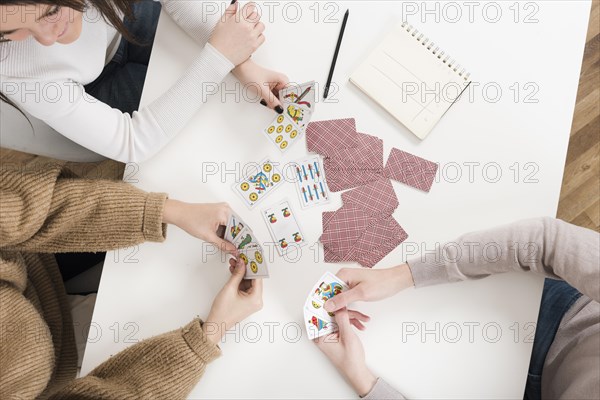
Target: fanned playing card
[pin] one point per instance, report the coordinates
(411, 170)
(318, 321)
(256, 264)
(303, 95)
(259, 183)
(283, 131)
(311, 185)
(317, 327)
(283, 227)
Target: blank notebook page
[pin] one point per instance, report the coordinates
(412, 78)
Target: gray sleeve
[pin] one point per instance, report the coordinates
(546, 246)
(383, 390)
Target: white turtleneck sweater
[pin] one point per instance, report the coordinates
(48, 83)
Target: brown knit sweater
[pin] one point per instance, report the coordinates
(45, 209)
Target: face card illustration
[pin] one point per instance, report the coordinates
(302, 95)
(244, 239)
(256, 265)
(283, 227)
(259, 183)
(283, 131)
(311, 185)
(327, 287)
(233, 228)
(316, 327)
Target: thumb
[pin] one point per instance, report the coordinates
(223, 244)
(238, 273)
(342, 320)
(342, 300)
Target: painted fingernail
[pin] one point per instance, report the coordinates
(263, 102)
(279, 110)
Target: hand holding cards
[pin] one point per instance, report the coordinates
(298, 107)
(318, 321)
(250, 251)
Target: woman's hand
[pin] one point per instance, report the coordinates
(238, 299)
(345, 350)
(370, 285)
(200, 220)
(237, 36)
(262, 82)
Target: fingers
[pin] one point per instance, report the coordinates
(270, 99)
(223, 244)
(343, 299)
(238, 274)
(342, 319)
(356, 317)
(250, 13)
(231, 10)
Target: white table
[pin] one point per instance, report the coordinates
(158, 287)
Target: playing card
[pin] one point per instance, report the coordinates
(328, 137)
(316, 307)
(264, 178)
(256, 265)
(376, 199)
(283, 131)
(233, 228)
(303, 95)
(411, 170)
(378, 240)
(327, 287)
(244, 238)
(345, 228)
(316, 327)
(299, 115)
(283, 227)
(339, 180)
(367, 155)
(311, 185)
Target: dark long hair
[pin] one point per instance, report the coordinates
(112, 11)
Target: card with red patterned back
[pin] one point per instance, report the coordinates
(411, 170)
(327, 137)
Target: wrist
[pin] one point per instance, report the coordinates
(172, 212)
(403, 277)
(362, 381)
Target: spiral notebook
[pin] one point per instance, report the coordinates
(412, 78)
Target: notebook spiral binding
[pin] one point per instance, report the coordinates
(439, 53)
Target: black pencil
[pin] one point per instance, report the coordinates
(335, 55)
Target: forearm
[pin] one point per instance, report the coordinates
(166, 366)
(197, 18)
(546, 246)
(89, 215)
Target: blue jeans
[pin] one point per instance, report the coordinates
(557, 298)
(121, 82)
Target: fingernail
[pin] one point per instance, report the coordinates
(233, 2)
(279, 110)
(263, 102)
(329, 305)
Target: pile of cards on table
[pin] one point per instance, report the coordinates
(363, 230)
(318, 321)
(298, 107)
(250, 251)
(353, 159)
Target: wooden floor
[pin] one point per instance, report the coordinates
(580, 193)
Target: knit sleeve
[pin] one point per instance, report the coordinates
(197, 18)
(164, 367)
(26, 350)
(546, 246)
(44, 213)
(383, 391)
